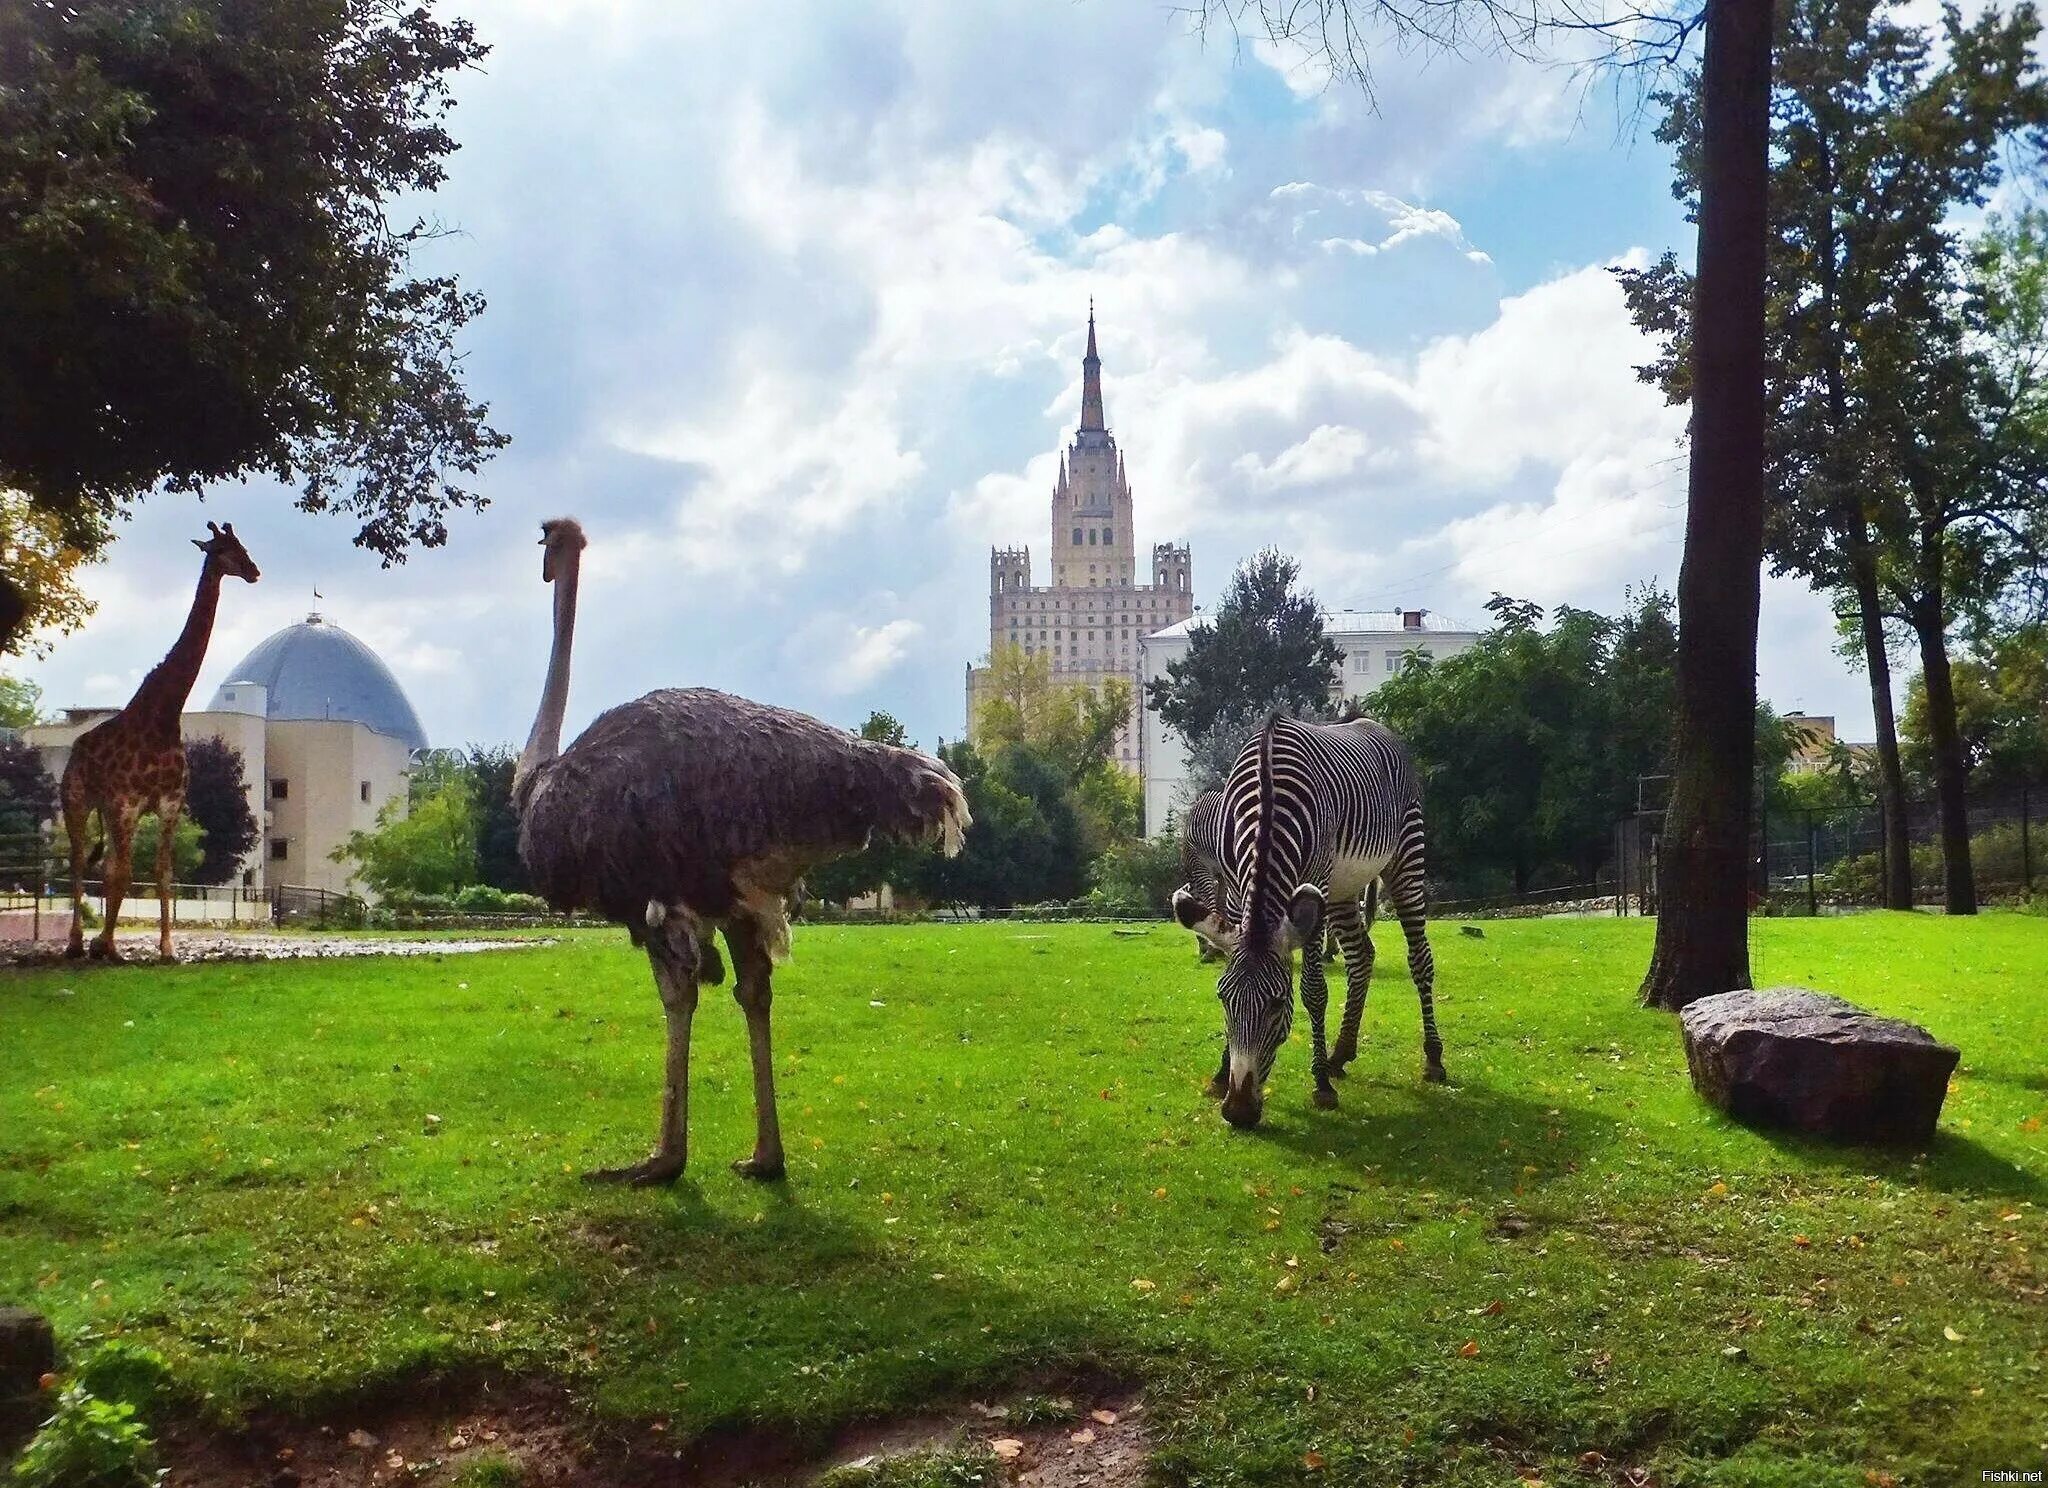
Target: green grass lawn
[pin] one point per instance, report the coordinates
(306, 1181)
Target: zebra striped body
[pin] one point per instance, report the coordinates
(1312, 815)
(1198, 902)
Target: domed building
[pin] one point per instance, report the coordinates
(327, 739)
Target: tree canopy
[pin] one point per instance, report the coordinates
(217, 802)
(1263, 648)
(203, 270)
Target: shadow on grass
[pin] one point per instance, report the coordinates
(1952, 1163)
(782, 1315)
(1470, 1139)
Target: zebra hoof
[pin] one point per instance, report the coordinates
(1325, 1099)
(1434, 1074)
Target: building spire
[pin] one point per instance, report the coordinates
(1091, 378)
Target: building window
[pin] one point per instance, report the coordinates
(280, 790)
(1077, 537)
(364, 791)
(1091, 537)
(280, 849)
(1109, 534)
(1393, 661)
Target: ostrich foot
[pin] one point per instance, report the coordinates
(656, 1170)
(1433, 1072)
(1325, 1099)
(760, 1169)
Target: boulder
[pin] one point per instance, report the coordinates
(1793, 1058)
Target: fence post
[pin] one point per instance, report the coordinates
(1812, 851)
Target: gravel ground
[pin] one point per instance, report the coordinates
(225, 945)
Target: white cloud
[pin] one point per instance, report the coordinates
(871, 652)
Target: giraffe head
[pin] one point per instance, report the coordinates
(563, 538)
(225, 552)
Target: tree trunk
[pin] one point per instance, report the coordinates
(1951, 769)
(1891, 777)
(1703, 920)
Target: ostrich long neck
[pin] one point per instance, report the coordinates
(545, 742)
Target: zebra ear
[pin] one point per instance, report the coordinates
(1305, 912)
(1187, 909)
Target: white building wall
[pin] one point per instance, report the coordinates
(325, 779)
(1374, 643)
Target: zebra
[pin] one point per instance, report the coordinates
(1198, 902)
(1313, 814)
(1198, 906)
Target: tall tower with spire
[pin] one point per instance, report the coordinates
(1088, 621)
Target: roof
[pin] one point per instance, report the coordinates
(317, 670)
(1341, 623)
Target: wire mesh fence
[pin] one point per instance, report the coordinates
(1832, 862)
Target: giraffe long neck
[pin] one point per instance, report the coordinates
(169, 683)
(545, 742)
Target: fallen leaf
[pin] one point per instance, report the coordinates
(362, 1439)
(1007, 1448)
(1140, 1284)
(1313, 1461)
(1287, 1283)
(1470, 1350)
(1103, 1417)
(1801, 1241)
(1495, 1308)
(1082, 1437)
(1951, 1335)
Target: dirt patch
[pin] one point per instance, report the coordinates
(139, 947)
(1089, 1432)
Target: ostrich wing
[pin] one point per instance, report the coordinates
(696, 797)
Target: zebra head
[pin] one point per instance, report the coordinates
(1257, 993)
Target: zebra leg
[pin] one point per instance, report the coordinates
(1405, 889)
(1315, 997)
(1353, 931)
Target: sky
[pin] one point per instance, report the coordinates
(789, 313)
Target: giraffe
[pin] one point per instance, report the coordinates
(134, 763)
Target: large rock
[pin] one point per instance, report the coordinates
(1792, 1058)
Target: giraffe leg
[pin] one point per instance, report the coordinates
(168, 814)
(753, 971)
(1352, 928)
(77, 822)
(1406, 891)
(672, 950)
(120, 866)
(1315, 998)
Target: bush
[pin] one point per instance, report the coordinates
(89, 1443)
(126, 1372)
(480, 899)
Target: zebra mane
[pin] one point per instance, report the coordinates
(1255, 927)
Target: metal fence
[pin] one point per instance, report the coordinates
(1830, 862)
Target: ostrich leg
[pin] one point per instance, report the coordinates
(753, 969)
(673, 953)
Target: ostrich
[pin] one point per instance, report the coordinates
(689, 811)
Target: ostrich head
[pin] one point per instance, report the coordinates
(562, 537)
